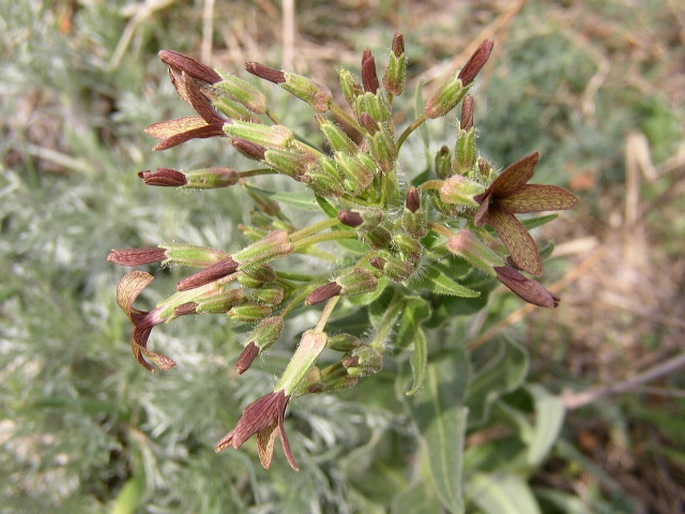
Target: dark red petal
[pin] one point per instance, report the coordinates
(528, 289)
(523, 250)
(198, 133)
(476, 62)
(515, 176)
(536, 198)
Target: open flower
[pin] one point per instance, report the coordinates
(510, 194)
(265, 418)
(187, 76)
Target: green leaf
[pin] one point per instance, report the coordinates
(538, 221)
(549, 418)
(505, 371)
(416, 311)
(441, 417)
(438, 282)
(327, 207)
(131, 494)
(501, 494)
(417, 499)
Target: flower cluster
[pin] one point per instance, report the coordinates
(397, 235)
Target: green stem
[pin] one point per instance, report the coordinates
(313, 229)
(328, 236)
(272, 117)
(411, 128)
(256, 172)
(326, 314)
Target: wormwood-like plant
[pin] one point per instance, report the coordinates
(408, 250)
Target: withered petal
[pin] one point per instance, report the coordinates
(528, 289)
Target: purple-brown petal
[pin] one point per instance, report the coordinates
(476, 62)
(536, 198)
(369, 75)
(528, 289)
(136, 256)
(247, 357)
(198, 133)
(521, 246)
(266, 73)
(211, 273)
(515, 176)
(190, 66)
(166, 177)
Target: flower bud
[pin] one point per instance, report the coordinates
(268, 136)
(350, 218)
(326, 178)
(250, 312)
(290, 162)
(192, 255)
(443, 163)
(466, 244)
(375, 106)
(272, 294)
(459, 190)
(316, 95)
(369, 75)
(476, 62)
(343, 342)
(257, 276)
(396, 71)
(446, 98)
(165, 177)
(241, 91)
(211, 178)
(214, 272)
(274, 244)
(363, 361)
(323, 293)
(395, 269)
(351, 88)
(357, 281)
(337, 139)
(220, 303)
(358, 171)
(232, 110)
(137, 256)
(262, 338)
(249, 149)
(409, 248)
(466, 121)
(465, 153)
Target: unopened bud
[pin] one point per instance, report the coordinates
(272, 294)
(249, 149)
(323, 293)
(465, 153)
(476, 62)
(466, 244)
(241, 91)
(446, 98)
(413, 201)
(214, 272)
(274, 244)
(369, 75)
(358, 171)
(211, 178)
(268, 136)
(165, 177)
(193, 255)
(443, 163)
(337, 139)
(137, 256)
(343, 342)
(220, 303)
(409, 248)
(263, 337)
(459, 190)
(257, 276)
(396, 72)
(466, 121)
(357, 281)
(250, 312)
(350, 218)
(264, 72)
(375, 105)
(350, 86)
(363, 361)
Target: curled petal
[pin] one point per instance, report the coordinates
(523, 250)
(515, 176)
(129, 288)
(529, 290)
(169, 128)
(536, 197)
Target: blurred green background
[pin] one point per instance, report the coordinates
(597, 86)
